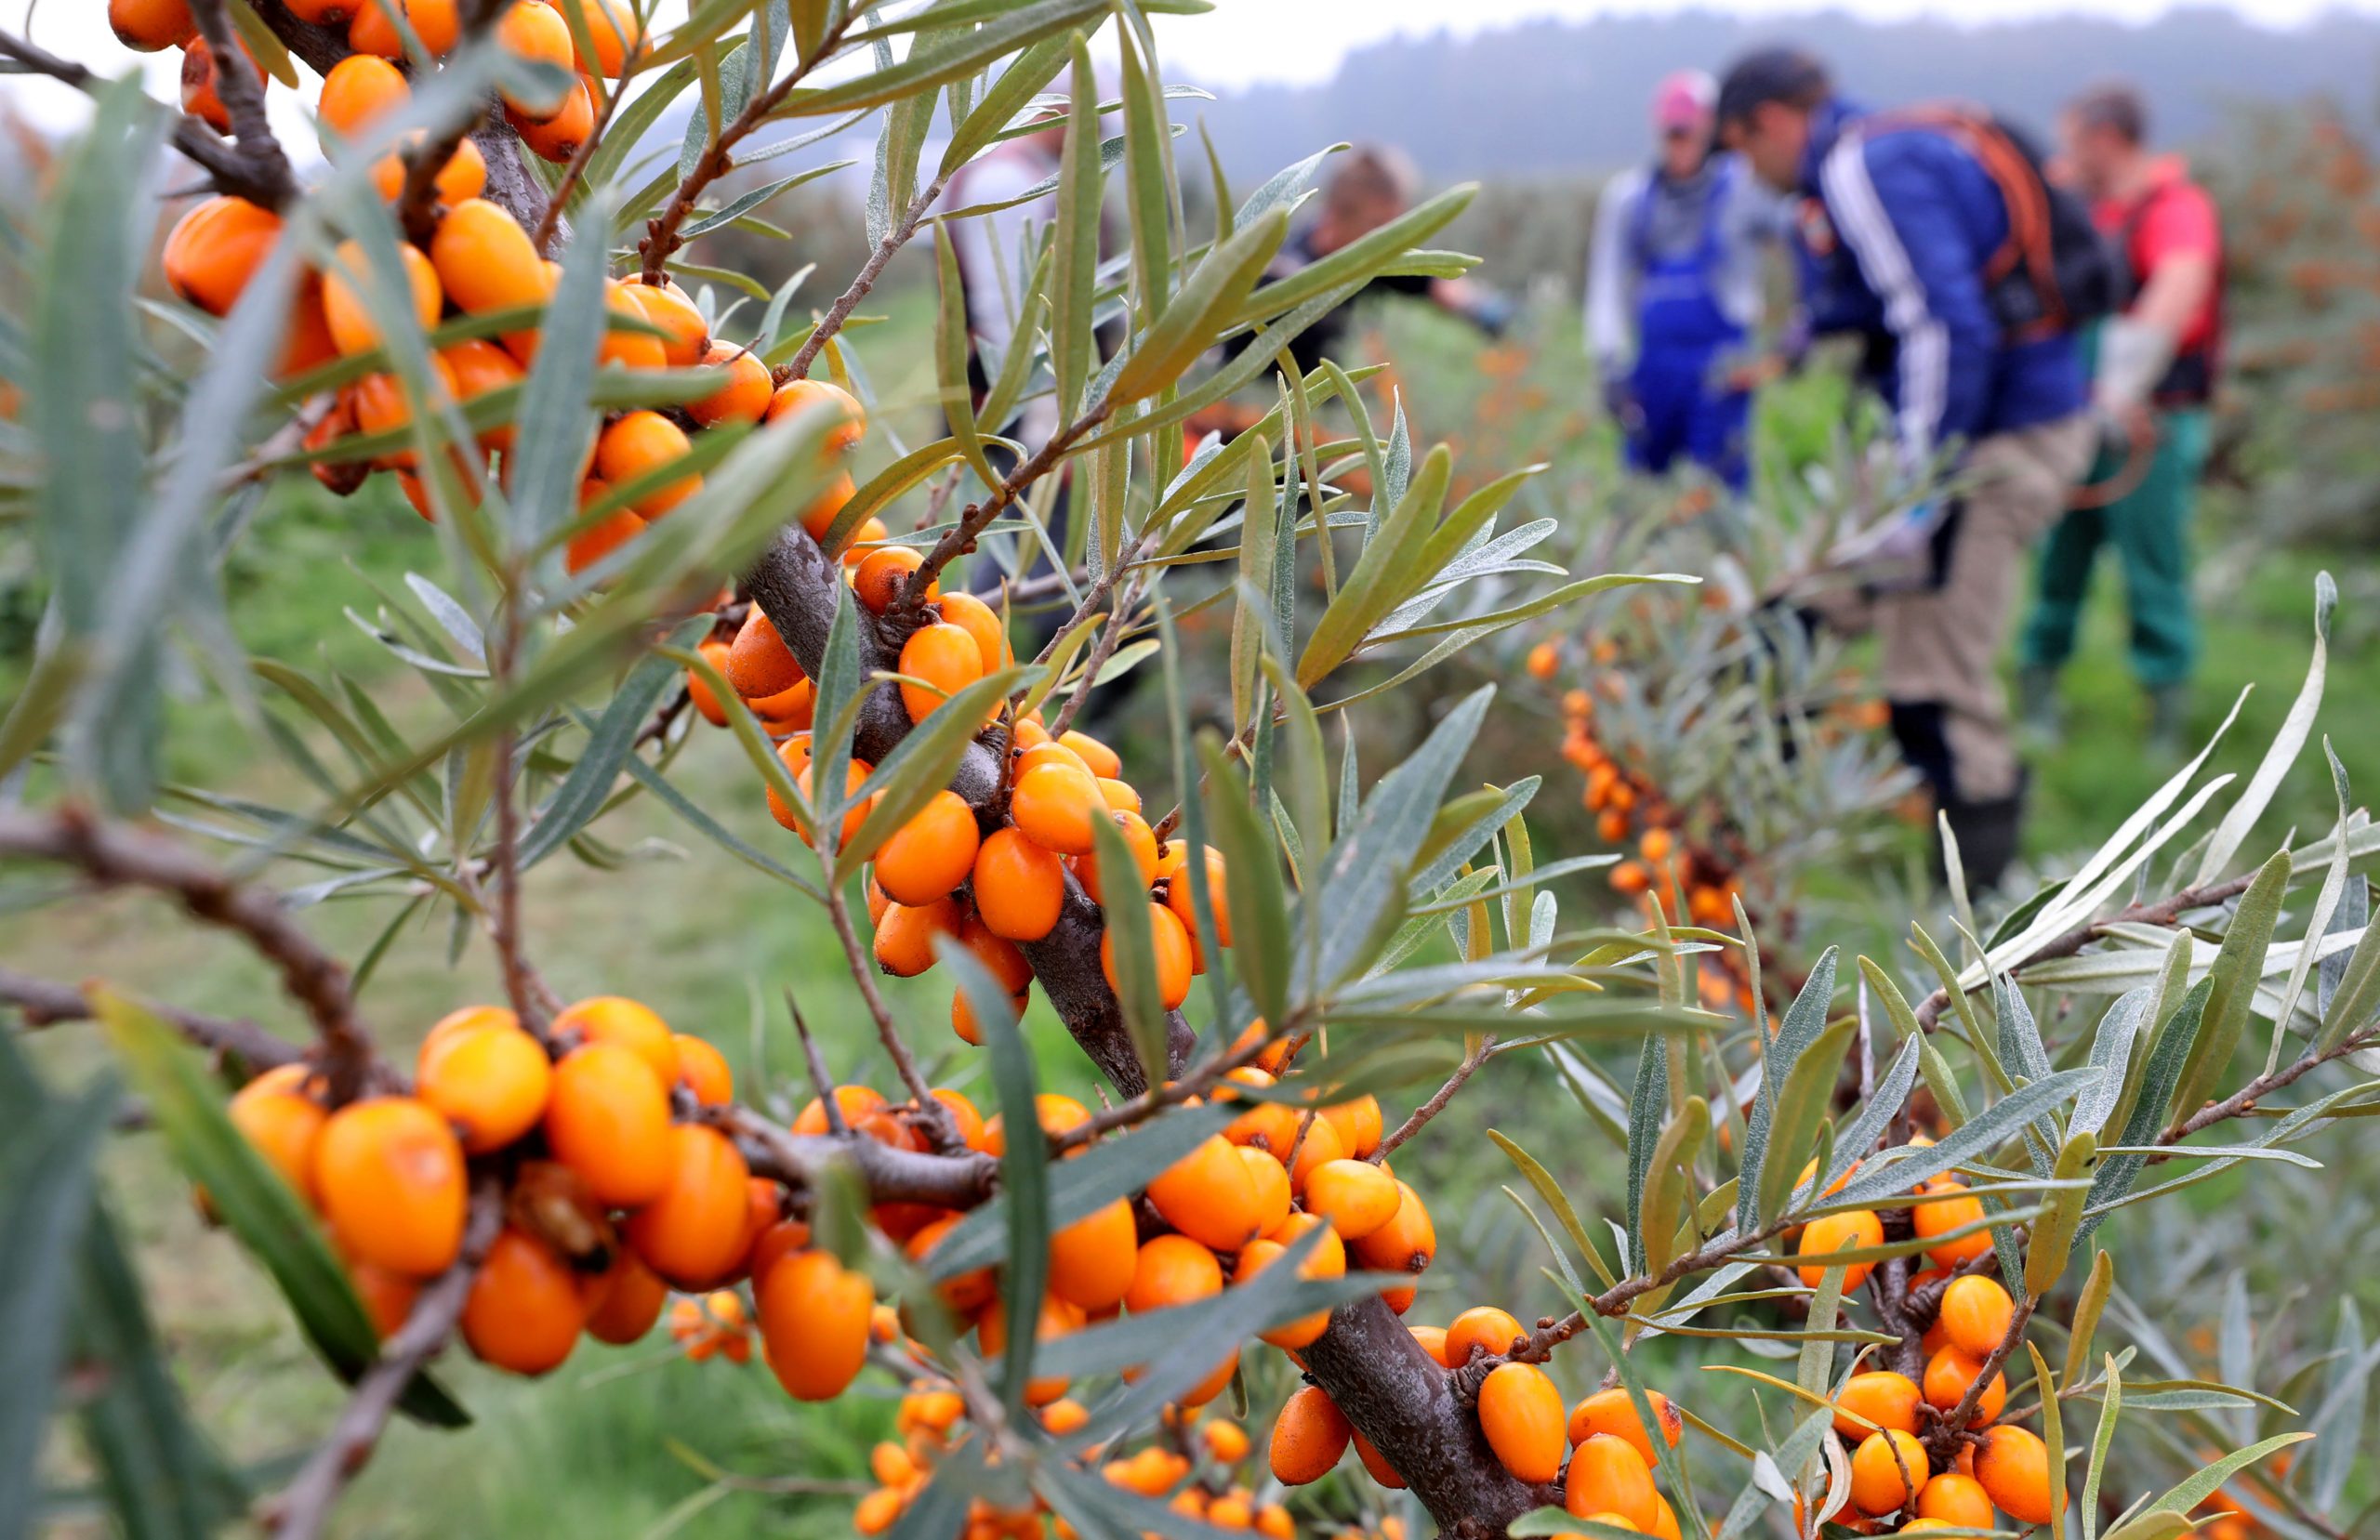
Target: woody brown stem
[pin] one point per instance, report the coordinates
(418, 202)
(45, 1002)
(241, 88)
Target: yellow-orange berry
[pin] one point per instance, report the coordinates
(491, 1083)
(1888, 1471)
(1521, 1413)
(1020, 887)
(389, 1174)
(928, 857)
(1309, 1437)
(941, 660)
(1054, 804)
(1607, 1475)
(215, 248)
(1887, 1399)
(1614, 1413)
(746, 394)
(2012, 1466)
(1976, 1314)
(525, 1308)
(1833, 1232)
(814, 1316)
(608, 1120)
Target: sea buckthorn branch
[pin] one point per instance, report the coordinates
(43, 1002)
(548, 224)
(961, 537)
(891, 1174)
(937, 1117)
(416, 202)
(242, 90)
(1118, 621)
(2244, 1100)
(121, 857)
(797, 367)
(304, 1506)
(232, 168)
(661, 239)
(1477, 1056)
(1949, 1428)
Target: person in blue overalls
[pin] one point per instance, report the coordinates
(1674, 279)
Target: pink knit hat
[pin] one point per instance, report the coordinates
(1684, 99)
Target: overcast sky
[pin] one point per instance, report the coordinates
(1241, 41)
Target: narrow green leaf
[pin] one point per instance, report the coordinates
(1801, 1106)
(1669, 1183)
(2238, 965)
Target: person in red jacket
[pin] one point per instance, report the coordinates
(2157, 363)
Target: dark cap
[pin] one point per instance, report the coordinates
(1780, 75)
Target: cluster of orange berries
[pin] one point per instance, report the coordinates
(1198, 1476)
(532, 28)
(1599, 1452)
(614, 1194)
(1879, 1412)
(478, 260)
(992, 883)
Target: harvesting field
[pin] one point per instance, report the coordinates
(595, 730)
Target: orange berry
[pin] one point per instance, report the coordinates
(820, 516)
(477, 367)
(695, 1231)
(1317, 1149)
(628, 1300)
(814, 1316)
(1888, 1471)
(152, 25)
(1054, 804)
(1142, 845)
(1172, 1269)
(1020, 887)
(1544, 659)
(616, 1019)
(1833, 1232)
(855, 775)
(905, 937)
(359, 90)
(491, 1083)
(534, 31)
(557, 138)
(795, 396)
(1326, 1258)
(1607, 1475)
(525, 1310)
(1612, 1411)
(927, 858)
(1097, 757)
(373, 31)
(1955, 1502)
(1376, 1464)
(1208, 1196)
(1482, 1326)
(1057, 1318)
(1433, 1340)
(484, 260)
(1358, 1123)
(1171, 946)
(1948, 1374)
(685, 334)
(353, 326)
(389, 1174)
(463, 177)
(608, 1120)
(200, 98)
(600, 539)
(883, 572)
(388, 1297)
(702, 1068)
(699, 691)
(1308, 1436)
(979, 621)
(1409, 1243)
(746, 394)
(1976, 1314)
(1355, 1196)
(2012, 1466)
(1939, 1219)
(1887, 1399)
(274, 1113)
(1521, 1413)
(612, 26)
(856, 1102)
(215, 248)
(1092, 1260)
(641, 442)
(944, 660)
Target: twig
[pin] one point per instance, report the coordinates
(241, 91)
(661, 239)
(304, 1507)
(1109, 635)
(1150, 1102)
(817, 1062)
(229, 166)
(961, 537)
(44, 1002)
(870, 270)
(2244, 1099)
(962, 1180)
(1437, 1102)
(533, 1001)
(1942, 1440)
(417, 212)
(939, 1123)
(550, 220)
(119, 856)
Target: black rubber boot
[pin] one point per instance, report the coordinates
(1987, 833)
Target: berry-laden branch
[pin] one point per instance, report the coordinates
(232, 169)
(416, 202)
(960, 538)
(116, 856)
(304, 1507)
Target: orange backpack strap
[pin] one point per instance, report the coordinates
(2021, 192)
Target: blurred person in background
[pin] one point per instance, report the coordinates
(2155, 366)
(1673, 291)
(1932, 234)
(1370, 185)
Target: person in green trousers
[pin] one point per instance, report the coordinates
(2154, 369)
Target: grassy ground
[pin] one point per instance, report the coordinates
(619, 1442)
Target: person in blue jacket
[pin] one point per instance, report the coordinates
(1673, 278)
(1912, 239)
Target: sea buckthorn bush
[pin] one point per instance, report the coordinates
(1853, 1272)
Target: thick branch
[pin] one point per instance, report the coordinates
(119, 856)
(232, 168)
(43, 1002)
(304, 1508)
(960, 1181)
